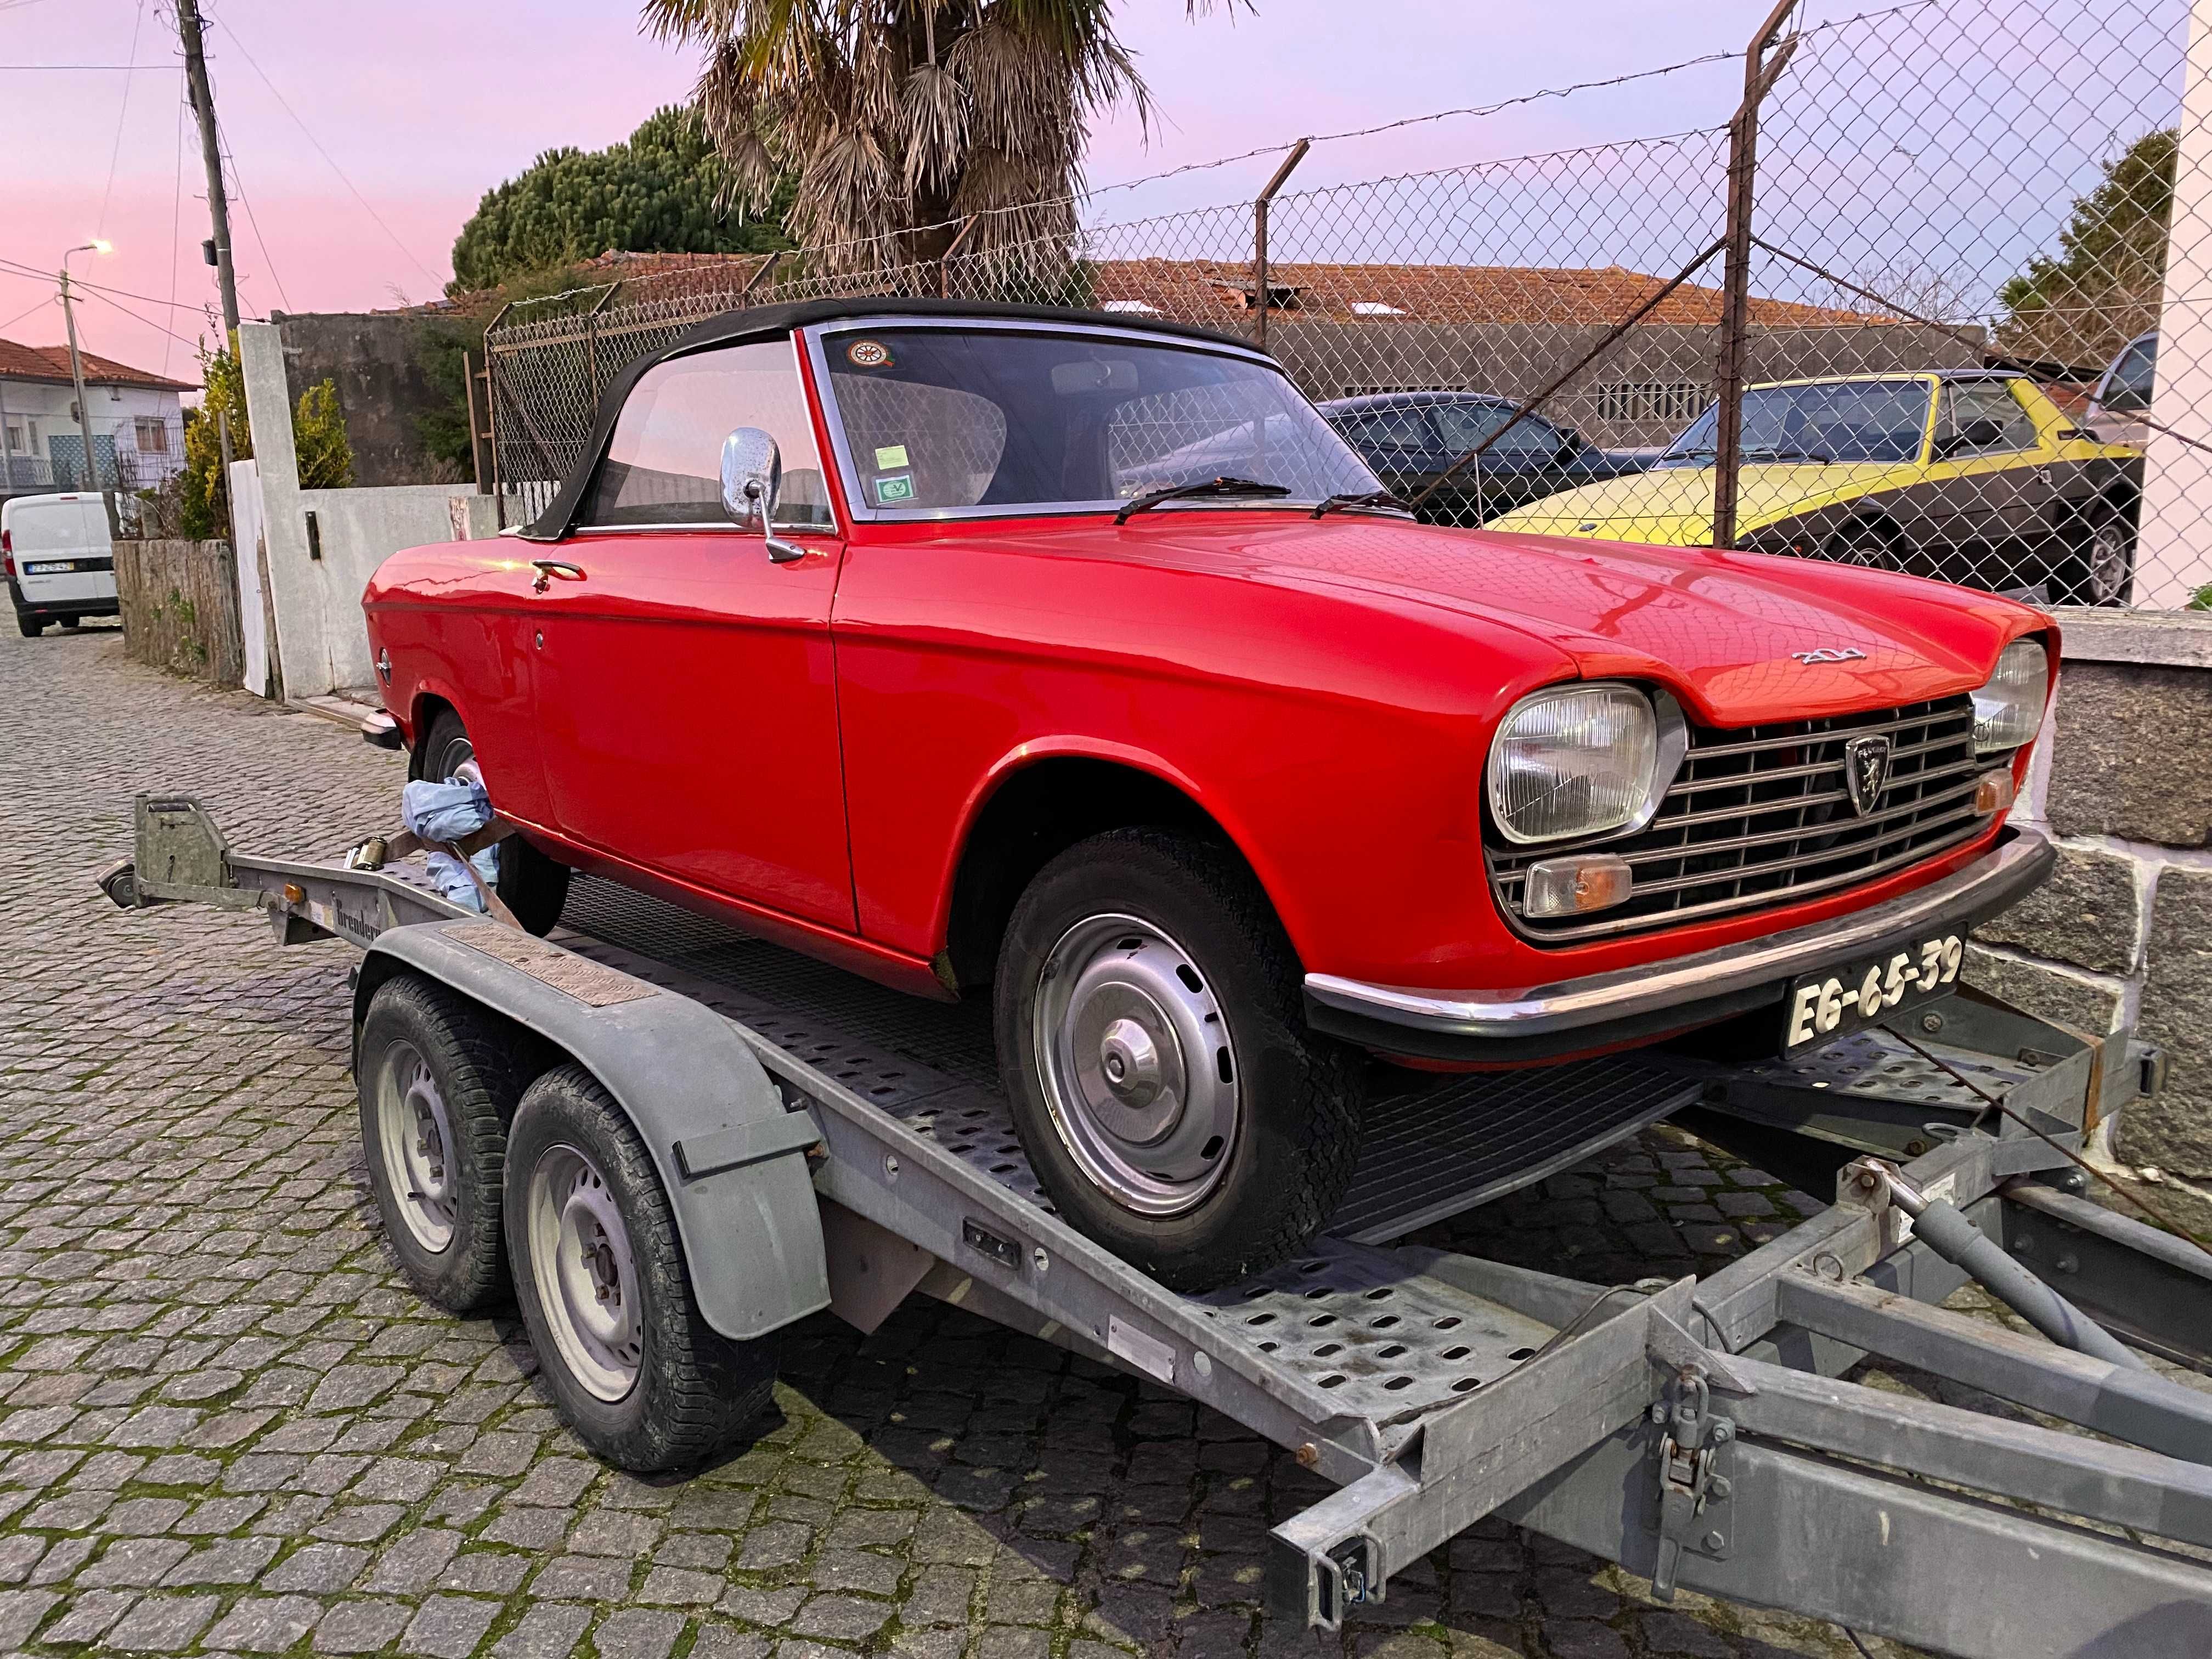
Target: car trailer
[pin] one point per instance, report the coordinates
(1697, 1431)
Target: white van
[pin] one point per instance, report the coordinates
(59, 558)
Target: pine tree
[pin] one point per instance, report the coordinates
(2103, 288)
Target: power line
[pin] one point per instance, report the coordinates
(17, 268)
(145, 321)
(107, 69)
(260, 240)
(122, 115)
(43, 301)
(325, 154)
(176, 226)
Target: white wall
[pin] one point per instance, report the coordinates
(2173, 552)
(321, 641)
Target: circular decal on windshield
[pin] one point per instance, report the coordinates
(868, 354)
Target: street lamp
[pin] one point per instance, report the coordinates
(76, 361)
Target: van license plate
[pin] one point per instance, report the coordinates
(1827, 1005)
(51, 568)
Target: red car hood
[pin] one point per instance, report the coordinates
(1725, 630)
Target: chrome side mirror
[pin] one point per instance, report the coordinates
(752, 478)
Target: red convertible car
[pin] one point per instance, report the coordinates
(1042, 655)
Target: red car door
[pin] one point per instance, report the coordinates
(686, 692)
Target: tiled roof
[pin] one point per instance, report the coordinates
(1195, 290)
(52, 364)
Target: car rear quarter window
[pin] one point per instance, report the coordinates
(664, 462)
(1966, 402)
(1467, 426)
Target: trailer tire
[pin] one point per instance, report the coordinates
(633, 1366)
(531, 885)
(437, 1082)
(1167, 947)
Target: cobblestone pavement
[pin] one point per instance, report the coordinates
(226, 1426)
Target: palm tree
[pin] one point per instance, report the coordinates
(902, 117)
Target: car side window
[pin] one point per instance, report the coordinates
(1388, 428)
(1969, 402)
(2128, 388)
(664, 463)
(1465, 426)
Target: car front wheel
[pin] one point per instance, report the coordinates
(1866, 543)
(1154, 1047)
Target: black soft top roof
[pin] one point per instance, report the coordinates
(771, 322)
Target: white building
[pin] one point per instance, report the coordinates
(138, 422)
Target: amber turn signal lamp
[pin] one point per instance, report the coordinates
(294, 894)
(1573, 886)
(1994, 792)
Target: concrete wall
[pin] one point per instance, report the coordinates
(317, 581)
(378, 361)
(2122, 934)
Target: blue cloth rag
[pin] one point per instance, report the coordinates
(447, 812)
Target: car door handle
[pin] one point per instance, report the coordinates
(549, 569)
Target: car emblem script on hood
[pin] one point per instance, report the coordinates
(1866, 772)
(1830, 654)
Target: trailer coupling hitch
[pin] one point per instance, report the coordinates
(1695, 1512)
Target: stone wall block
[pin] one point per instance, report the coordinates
(2066, 996)
(2133, 754)
(2089, 913)
(2174, 1132)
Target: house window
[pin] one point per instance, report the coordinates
(153, 435)
(1668, 403)
(15, 438)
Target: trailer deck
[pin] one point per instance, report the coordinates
(1694, 1431)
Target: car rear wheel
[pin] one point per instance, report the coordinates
(2103, 564)
(531, 885)
(1162, 1079)
(437, 1085)
(29, 627)
(633, 1367)
(1866, 543)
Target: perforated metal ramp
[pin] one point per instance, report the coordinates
(1432, 1152)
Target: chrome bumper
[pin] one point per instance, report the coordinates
(1710, 984)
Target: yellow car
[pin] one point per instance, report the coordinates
(1971, 476)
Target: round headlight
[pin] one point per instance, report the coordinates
(1576, 760)
(2009, 710)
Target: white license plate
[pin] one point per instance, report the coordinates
(51, 568)
(1838, 1001)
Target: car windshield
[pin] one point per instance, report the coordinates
(1828, 421)
(938, 420)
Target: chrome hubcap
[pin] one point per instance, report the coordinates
(1138, 1067)
(415, 1139)
(2108, 563)
(584, 1273)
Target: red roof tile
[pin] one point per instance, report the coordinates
(52, 364)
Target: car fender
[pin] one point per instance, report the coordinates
(730, 1157)
(1070, 746)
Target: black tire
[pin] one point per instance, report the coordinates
(695, 1391)
(29, 627)
(1299, 1094)
(2100, 567)
(1867, 543)
(532, 885)
(476, 1071)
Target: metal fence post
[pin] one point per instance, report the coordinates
(1763, 62)
(1260, 238)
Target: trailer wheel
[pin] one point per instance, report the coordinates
(437, 1085)
(531, 885)
(1154, 1047)
(635, 1369)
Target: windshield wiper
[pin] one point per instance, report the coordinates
(1784, 453)
(1361, 498)
(1210, 487)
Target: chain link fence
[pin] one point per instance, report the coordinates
(1933, 297)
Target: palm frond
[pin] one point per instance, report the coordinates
(932, 127)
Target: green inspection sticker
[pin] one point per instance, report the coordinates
(890, 455)
(897, 488)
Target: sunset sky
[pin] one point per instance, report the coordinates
(421, 108)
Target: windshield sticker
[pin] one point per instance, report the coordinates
(868, 354)
(891, 455)
(899, 486)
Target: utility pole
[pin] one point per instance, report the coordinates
(196, 80)
(77, 375)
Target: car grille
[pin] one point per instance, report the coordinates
(1760, 817)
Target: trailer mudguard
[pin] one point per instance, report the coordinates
(731, 1157)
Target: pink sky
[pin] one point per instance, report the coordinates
(424, 106)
